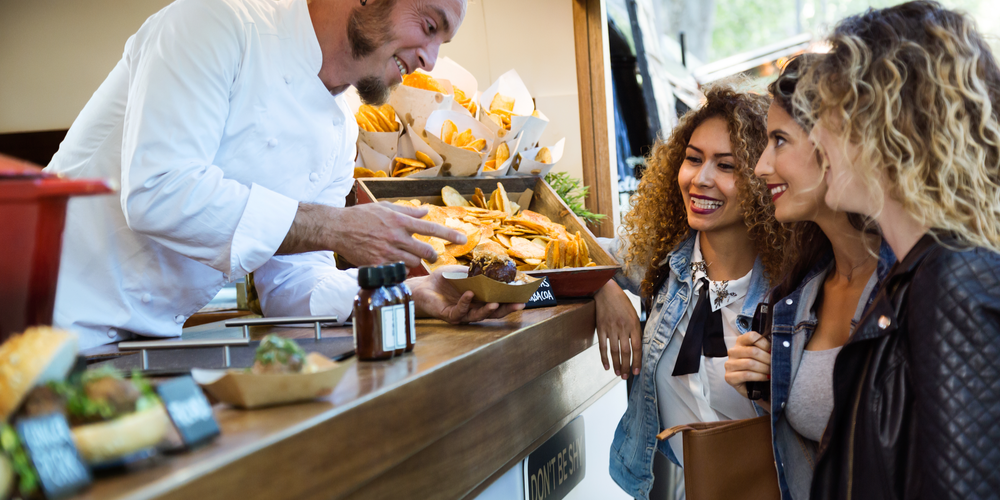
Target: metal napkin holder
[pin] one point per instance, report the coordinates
(144, 345)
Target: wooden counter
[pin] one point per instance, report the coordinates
(467, 403)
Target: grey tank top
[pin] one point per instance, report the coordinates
(810, 401)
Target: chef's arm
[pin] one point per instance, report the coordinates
(367, 234)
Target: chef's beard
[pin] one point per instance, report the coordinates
(368, 29)
(373, 91)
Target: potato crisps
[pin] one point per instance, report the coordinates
(380, 119)
(544, 156)
(530, 238)
(464, 101)
(362, 172)
(464, 140)
(423, 81)
(407, 166)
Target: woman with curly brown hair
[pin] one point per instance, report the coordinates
(699, 245)
(905, 113)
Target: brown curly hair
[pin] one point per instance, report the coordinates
(657, 221)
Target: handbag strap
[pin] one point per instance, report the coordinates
(669, 433)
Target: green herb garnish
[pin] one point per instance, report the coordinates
(27, 478)
(573, 193)
(274, 349)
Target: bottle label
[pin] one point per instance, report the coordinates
(388, 328)
(400, 326)
(413, 323)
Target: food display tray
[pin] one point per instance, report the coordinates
(532, 193)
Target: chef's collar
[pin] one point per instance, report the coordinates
(722, 293)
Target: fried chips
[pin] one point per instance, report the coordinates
(380, 119)
(530, 238)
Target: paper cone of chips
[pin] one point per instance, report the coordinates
(464, 86)
(416, 153)
(373, 161)
(498, 163)
(461, 141)
(506, 99)
(537, 161)
(414, 105)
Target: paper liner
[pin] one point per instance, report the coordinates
(505, 166)
(247, 390)
(373, 160)
(457, 162)
(413, 106)
(490, 290)
(525, 163)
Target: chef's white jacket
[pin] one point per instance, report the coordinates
(217, 126)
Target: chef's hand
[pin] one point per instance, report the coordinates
(749, 361)
(435, 297)
(368, 234)
(618, 325)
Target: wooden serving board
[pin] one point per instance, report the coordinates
(569, 282)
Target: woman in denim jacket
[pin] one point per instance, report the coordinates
(833, 275)
(698, 245)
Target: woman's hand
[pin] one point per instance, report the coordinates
(749, 361)
(618, 324)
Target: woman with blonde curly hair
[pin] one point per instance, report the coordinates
(904, 108)
(700, 246)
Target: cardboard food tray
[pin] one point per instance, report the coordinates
(247, 390)
(566, 283)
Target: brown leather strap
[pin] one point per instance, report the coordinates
(669, 433)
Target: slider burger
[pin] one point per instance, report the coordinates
(491, 260)
(110, 417)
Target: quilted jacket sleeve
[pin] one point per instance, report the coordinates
(954, 338)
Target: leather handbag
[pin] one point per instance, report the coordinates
(726, 460)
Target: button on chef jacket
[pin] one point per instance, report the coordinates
(216, 125)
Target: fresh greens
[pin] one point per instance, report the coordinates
(84, 408)
(573, 192)
(274, 349)
(10, 445)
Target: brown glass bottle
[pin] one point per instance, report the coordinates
(411, 313)
(398, 308)
(369, 318)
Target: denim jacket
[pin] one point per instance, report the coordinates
(792, 325)
(635, 438)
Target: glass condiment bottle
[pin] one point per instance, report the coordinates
(370, 308)
(411, 311)
(398, 308)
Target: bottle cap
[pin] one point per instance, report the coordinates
(401, 271)
(369, 277)
(388, 274)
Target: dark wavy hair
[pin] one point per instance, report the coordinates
(657, 221)
(807, 243)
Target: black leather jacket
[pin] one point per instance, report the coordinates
(917, 388)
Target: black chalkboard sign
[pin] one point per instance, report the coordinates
(554, 468)
(189, 410)
(48, 440)
(543, 297)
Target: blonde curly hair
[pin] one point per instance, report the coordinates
(914, 87)
(657, 221)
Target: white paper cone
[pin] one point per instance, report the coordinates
(505, 166)
(409, 144)
(509, 84)
(457, 162)
(373, 160)
(530, 129)
(413, 106)
(525, 163)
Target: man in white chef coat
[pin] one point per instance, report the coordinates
(227, 127)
